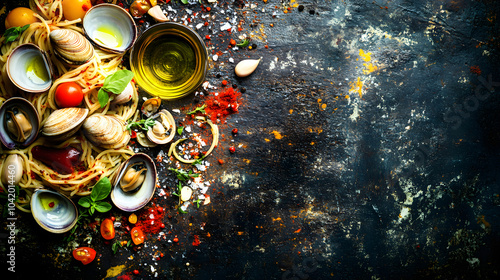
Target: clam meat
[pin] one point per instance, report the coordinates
(29, 68)
(106, 131)
(134, 183)
(12, 170)
(110, 28)
(53, 211)
(63, 123)
(19, 122)
(151, 106)
(71, 47)
(163, 131)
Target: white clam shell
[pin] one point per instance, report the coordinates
(63, 123)
(53, 211)
(29, 68)
(71, 47)
(135, 200)
(246, 67)
(106, 131)
(110, 28)
(12, 169)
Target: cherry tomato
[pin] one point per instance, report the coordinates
(69, 94)
(137, 235)
(107, 229)
(84, 254)
(20, 17)
(75, 9)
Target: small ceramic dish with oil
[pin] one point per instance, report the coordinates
(110, 28)
(169, 60)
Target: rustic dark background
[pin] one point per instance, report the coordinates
(398, 181)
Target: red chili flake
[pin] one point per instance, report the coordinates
(232, 149)
(207, 37)
(51, 204)
(176, 239)
(475, 70)
(232, 42)
(206, 23)
(209, 9)
(224, 82)
(234, 131)
(136, 271)
(133, 134)
(221, 162)
(113, 218)
(196, 241)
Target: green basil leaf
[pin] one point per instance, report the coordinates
(185, 1)
(118, 81)
(101, 190)
(102, 97)
(12, 33)
(102, 206)
(180, 129)
(91, 210)
(85, 202)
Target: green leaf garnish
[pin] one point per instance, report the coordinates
(102, 206)
(243, 43)
(142, 124)
(85, 202)
(198, 109)
(180, 129)
(183, 175)
(101, 190)
(114, 83)
(184, 1)
(115, 246)
(12, 33)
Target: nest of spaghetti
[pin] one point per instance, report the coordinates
(46, 145)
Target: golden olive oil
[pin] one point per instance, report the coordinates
(36, 70)
(169, 62)
(108, 36)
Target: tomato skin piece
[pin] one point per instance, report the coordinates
(137, 235)
(68, 94)
(107, 229)
(84, 254)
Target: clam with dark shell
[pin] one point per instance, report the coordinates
(19, 123)
(134, 183)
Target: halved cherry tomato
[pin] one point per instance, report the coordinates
(84, 254)
(69, 94)
(137, 235)
(107, 229)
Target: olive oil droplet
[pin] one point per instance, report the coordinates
(36, 71)
(108, 36)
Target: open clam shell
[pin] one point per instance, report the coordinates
(131, 201)
(53, 211)
(29, 68)
(110, 27)
(19, 123)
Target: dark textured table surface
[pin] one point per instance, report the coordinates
(368, 148)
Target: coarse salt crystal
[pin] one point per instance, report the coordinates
(231, 60)
(225, 26)
(151, 216)
(215, 57)
(199, 25)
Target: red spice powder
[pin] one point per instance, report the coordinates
(151, 220)
(222, 104)
(475, 70)
(196, 241)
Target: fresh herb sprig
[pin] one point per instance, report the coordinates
(99, 192)
(199, 109)
(12, 33)
(115, 84)
(243, 43)
(182, 175)
(143, 124)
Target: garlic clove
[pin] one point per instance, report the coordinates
(157, 13)
(246, 67)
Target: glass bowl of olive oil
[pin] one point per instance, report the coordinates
(169, 60)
